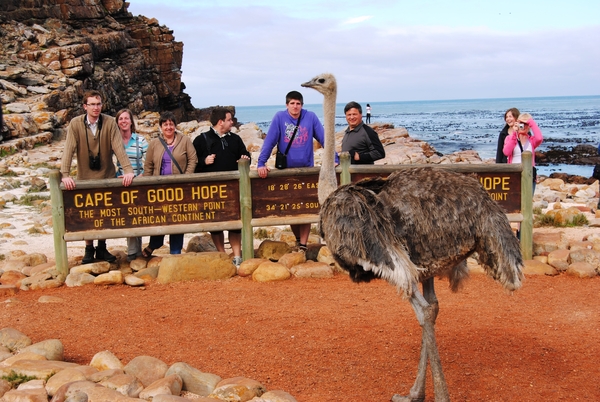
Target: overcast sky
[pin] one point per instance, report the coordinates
(252, 52)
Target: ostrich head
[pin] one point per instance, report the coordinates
(324, 83)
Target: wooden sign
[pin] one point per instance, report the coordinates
(151, 205)
(185, 203)
(285, 196)
(504, 188)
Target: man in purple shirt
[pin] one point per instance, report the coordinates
(300, 153)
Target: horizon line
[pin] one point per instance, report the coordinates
(445, 100)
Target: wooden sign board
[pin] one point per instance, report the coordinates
(169, 204)
(285, 196)
(145, 206)
(504, 188)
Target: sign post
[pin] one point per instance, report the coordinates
(58, 224)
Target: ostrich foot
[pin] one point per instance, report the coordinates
(402, 398)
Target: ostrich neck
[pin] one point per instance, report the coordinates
(327, 178)
(329, 123)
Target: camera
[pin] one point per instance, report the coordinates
(521, 126)
(95, 162)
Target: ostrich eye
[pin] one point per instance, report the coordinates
(321, 80)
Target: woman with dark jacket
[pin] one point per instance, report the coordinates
(219, 150)
(510, 116)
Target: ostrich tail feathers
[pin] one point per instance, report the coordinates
(500, 254)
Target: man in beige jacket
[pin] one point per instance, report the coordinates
(93, 138)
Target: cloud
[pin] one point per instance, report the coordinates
(254, 55)
(357, 20)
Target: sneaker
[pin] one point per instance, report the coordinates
(103, 254)
(88, 257)
(302, 248)
(237, 261)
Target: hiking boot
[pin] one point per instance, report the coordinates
(103, 254)
(88, 257)
(237, 261)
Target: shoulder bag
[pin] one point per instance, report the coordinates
(170, 154)
(281, 158)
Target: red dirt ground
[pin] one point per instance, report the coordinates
(334, 340)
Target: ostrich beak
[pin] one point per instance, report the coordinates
(309, 84)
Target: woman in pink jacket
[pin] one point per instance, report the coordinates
(522, 140)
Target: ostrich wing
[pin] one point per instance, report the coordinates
(443, 218)
(359, 231)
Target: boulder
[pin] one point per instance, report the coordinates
(272, 250)
(533, 267)
(312, 269)
(544, 243)
(270, 271)
(193, 266)
(581, 270)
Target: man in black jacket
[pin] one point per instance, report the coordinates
(360, 140)
(219, 150)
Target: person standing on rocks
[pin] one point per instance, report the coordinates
(93, 138)
(510, 116)
(136, 147)
(522, 140)
(170, 154)
(298, 126)
(360, 140)
(220, 150)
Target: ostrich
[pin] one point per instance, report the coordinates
(411, 227)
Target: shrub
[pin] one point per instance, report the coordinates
(9, 173)
(16, 379)
(261, 233)
(29, 199)
(548, 220)
(4, 152)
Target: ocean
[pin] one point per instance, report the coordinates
(455, 125)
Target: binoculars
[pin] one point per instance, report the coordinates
(95, 162)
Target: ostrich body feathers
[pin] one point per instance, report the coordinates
(416, 224)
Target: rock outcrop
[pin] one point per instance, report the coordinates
(51, 51)
(582, 154)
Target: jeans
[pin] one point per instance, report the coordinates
(175, 240)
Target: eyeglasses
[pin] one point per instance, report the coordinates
(94, 104)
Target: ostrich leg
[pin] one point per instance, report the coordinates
(426, 309)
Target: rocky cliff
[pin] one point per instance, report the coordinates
(51, 51)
